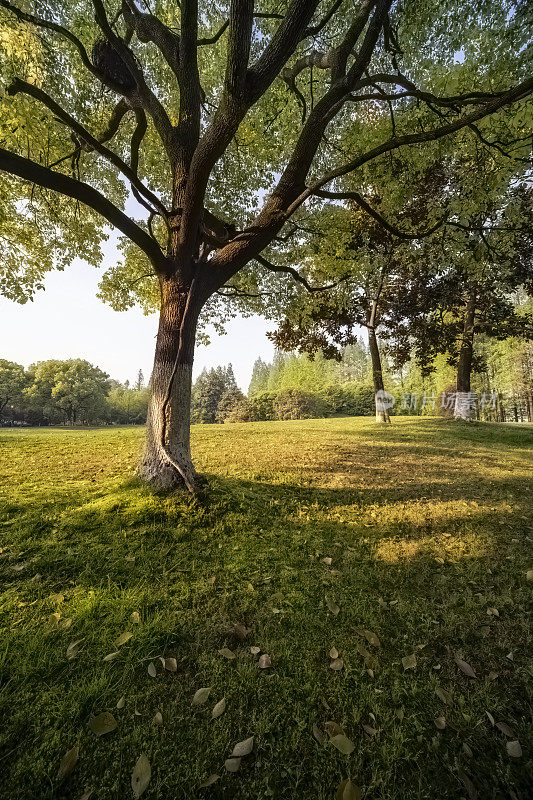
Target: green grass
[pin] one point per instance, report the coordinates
(428, 526)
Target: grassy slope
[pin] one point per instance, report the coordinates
(430, 516)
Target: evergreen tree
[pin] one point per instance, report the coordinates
(259, 379)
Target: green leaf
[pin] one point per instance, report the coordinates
(343, 744)
(103, 723)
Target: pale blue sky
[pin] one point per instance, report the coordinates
(66, 320)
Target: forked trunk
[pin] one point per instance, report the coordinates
(382, 414)
(166, 462)
(464, 401)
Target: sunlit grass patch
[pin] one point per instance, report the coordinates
(316, 535)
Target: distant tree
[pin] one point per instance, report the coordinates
(13, 381)
(208, 391)
(126, 405)
(139, 383)
(231, 399)
(259, 379)
(72, 390)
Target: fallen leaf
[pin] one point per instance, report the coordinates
(529, 575)
(332, 605)
(255, 650)
(232, 764)
(54, 618)
(348, 791)
(135, 617)
(265, 661)
(219, 709)
(170, 664)
(140, 777)
(514, 749)
(201, 695)
(241, 631)
(370, 731)
(440, 723)
(492, 676)
(227, 653)
(103, 723)
(333, 653)
(491, 718)
(372, 639)
(409, 662)
(152, 670)
(122, 702)
(318, 735)
(465, 667)
(343, 744)
(111, 656)
(467, 783)
(73, 650)
(243, 748)
(333, 728)
(66, 623)
(209, 781)
(400, 713)
(337, 664)
(327, 561)
(158, 718)
(123, 638)
(444, 695)
(505, 729)
(439, 560)
(68, 762)
(467, 750)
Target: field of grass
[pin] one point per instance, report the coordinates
(406, 549)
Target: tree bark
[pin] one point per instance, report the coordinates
(463, 400)
(382, 414)
(167, 462)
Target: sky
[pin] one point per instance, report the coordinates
(66, 320)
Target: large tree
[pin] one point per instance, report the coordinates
(226, 118)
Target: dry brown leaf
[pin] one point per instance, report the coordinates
(467, 750)
(140, 777)
(243, 748)
(465, 667)
(505, 729)
(370, 731)
(209, 781)
(121, 703)
(318, 735)
(514, 749)
(333, 728)
(135, 617)
(68, 762)
(372, 639)
(529, 575)
(348, 791)
(444, 695)
(327, 561)
(255, 650)
(227, 653)
(232, 764)
(103, 723)
(54, 618)
(343, 744)
(219, 709)
(440, 723)
(333, 653)
(409, 662)
(490, 717)
(111, 656)
(170, 664)
(152, 670)
(332, 605)
(241, 631)
(337, 664)
(123, 638)
(201, 695)
(158, 718)
(265, 661)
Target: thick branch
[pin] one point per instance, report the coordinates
(83, 133)
(149, 28)
(239, 43)
(48, 179)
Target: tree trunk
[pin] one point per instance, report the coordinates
(382, 414)
(464, 407)
(167, 462)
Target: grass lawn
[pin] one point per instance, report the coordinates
(404, 548)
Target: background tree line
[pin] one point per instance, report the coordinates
(71, 392)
